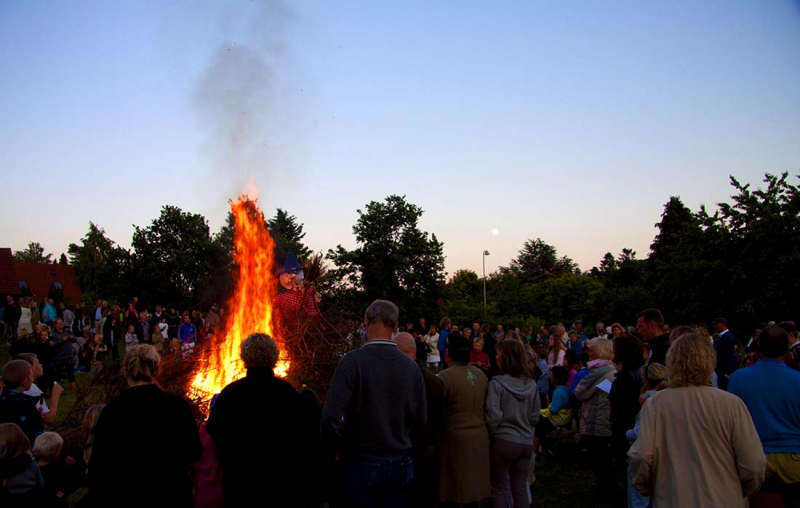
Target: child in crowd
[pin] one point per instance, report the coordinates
(571, 364)
(432, 339)
(477, 357)
(555, 355)
(98, 355)
(583, 371)
(48, 415)
(542, 374)
(130, 339)
(559, 413)
(161, 335)
(60, 475)
(21, 481)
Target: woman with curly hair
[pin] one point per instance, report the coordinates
(697, 445)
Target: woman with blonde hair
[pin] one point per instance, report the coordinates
(697, 445)
(595, 424)
(130, 446)
(86, 436)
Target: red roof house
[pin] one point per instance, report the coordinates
(40, 278)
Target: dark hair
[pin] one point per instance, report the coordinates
(652, 316)
(513, 360)
(628, 352)
(571, 356)
(789, 326)
(560, 374)
(773, 342)
(584, 358)
(459, 348)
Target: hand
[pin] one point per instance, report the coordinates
(57, 389)
(69, 460)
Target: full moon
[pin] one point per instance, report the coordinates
(495, 232)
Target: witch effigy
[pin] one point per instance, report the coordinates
(296, 300)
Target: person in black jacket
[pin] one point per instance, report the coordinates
(624, 395)
(264, 433)
(11, 317)
(134, 463)
(112, 334)
(649, 324)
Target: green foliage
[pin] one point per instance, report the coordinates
(34, 253)
(538, 261)
(102, 269)
(395, 260)
(174, 257)
(288, 234)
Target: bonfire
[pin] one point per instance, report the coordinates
(251, 307)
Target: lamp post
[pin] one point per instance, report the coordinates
(485, 253)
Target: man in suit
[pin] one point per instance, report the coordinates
(725, 347)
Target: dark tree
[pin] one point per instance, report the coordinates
(538, 261)
(34, 253)
(395, 260)
(288, 234)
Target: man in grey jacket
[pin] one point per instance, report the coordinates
(376, 399)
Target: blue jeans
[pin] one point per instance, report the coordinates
(635, 500)
(377, 480)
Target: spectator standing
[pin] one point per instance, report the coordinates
(12, 315)
(649, 324)
(36, 317)
(49, 313)
(424, 491)
(276, 457)
(432, 338)
(66, 352)
(725, 349)
(376, 400)
(697, 445)
(444, 331)
(512, 411)
(595, 424)
(776, 415)
(112, 333)
(143, 329)
(134, 462)
(464, 451)
(624, 396)
(25, 322)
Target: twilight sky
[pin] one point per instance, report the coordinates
(572, 121)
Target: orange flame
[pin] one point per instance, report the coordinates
(251, 306)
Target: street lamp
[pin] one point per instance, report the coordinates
(485, 253)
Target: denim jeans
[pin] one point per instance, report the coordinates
(635, 500)
(377, 480)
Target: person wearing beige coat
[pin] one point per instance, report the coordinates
(697, 445)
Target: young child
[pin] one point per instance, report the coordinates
(571, 364)
(60, 475)
(583, 371)
(19, 473)
(432, 339)
(477, 357)
(160, 337)
(98, 356)
(130, 339)
(559, 412)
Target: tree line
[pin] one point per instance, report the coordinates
(741, 262)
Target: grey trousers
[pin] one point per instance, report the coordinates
(510, 462)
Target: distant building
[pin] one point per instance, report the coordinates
(37, 279)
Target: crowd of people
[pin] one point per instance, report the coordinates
(419, 415)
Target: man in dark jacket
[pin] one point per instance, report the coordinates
(426, 473)
(11, 317)
(142, 329)
(725, 347)
(264, 433)
(376, 401)
(649, 325)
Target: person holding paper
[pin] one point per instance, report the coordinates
(595, 429)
